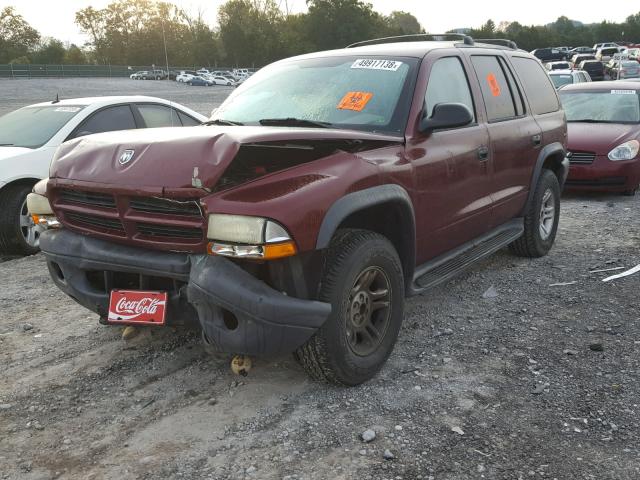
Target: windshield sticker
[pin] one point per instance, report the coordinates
(355, 101)
(493, 85)
(623, 92)
(67, 109)
(367, 63)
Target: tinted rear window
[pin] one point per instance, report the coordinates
(538, 87)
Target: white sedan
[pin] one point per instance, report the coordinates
(30, 135)
(184, 77)
(219, 80)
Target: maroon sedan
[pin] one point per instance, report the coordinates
(604, 132)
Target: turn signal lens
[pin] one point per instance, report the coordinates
(279, 250)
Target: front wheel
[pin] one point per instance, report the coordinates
(18, 234)
(363, 282)
(541, 218)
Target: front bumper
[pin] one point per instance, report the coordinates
(604, 175)
(238, 312)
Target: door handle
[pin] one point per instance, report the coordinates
(483, 154)
(537, 140)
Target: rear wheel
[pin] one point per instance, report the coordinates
(541, 218)
(363, 282)
(18, 234)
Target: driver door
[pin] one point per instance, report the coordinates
(452, 168)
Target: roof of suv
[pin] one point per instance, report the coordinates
(417, 49)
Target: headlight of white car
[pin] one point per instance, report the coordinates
(626, 151)
(244, 236)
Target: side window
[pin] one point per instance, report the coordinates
(537, 85)
(155, 116)
(495, 89)
(187, 121)
(513, 87)
(448, 84)
(107, 120)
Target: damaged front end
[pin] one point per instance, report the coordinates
(209, 215)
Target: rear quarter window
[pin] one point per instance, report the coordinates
(537, 85)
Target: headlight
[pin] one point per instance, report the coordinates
(243, 236)
(40, 209)
(626, 151)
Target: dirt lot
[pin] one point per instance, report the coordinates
(540, 381)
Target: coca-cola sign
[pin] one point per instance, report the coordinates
(133, 306)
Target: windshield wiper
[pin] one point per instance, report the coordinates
(6, 144)
(294, 122)
(221, 121)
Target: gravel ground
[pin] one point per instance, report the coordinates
(18, 93)
(527, 381)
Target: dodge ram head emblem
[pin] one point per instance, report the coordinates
(126, 156)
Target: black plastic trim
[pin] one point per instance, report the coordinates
(547, 151)
(370, 197)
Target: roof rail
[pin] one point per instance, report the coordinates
(439, 37)
(498, 41)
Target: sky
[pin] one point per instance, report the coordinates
(55, 18)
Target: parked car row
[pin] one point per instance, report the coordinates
(202, 77)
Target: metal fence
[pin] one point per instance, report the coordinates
(62, 71)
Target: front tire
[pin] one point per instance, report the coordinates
(18, 234)
(541, 218)
(363, 282)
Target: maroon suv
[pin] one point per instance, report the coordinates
(326, 189)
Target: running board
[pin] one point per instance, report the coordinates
(447, 266)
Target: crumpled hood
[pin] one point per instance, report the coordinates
(599, 138)
(176, 157)
(13, 152)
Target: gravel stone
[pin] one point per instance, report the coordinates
(368, 435)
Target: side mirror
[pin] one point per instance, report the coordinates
(446, 115)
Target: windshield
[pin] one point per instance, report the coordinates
(560, 80)
(610, 106)
(372, 94)
(32, 127)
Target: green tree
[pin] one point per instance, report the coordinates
(250, 31)
(17, 37)
(338, 23)
(74, 56)
(403, 23)
(51, 52)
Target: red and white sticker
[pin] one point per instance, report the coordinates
(137, 307)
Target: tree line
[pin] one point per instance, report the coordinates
(254, 33)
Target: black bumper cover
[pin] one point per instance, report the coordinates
(206, 289)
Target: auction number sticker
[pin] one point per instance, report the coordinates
(371, 64)
(67, 109)
(623, 92)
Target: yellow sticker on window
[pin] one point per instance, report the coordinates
(355, 101)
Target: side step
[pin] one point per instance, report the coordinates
(447, 266)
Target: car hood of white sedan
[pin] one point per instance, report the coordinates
(11, 152)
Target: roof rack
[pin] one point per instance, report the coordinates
(498, 41)
(439, 37)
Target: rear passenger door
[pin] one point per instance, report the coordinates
(515, 137)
